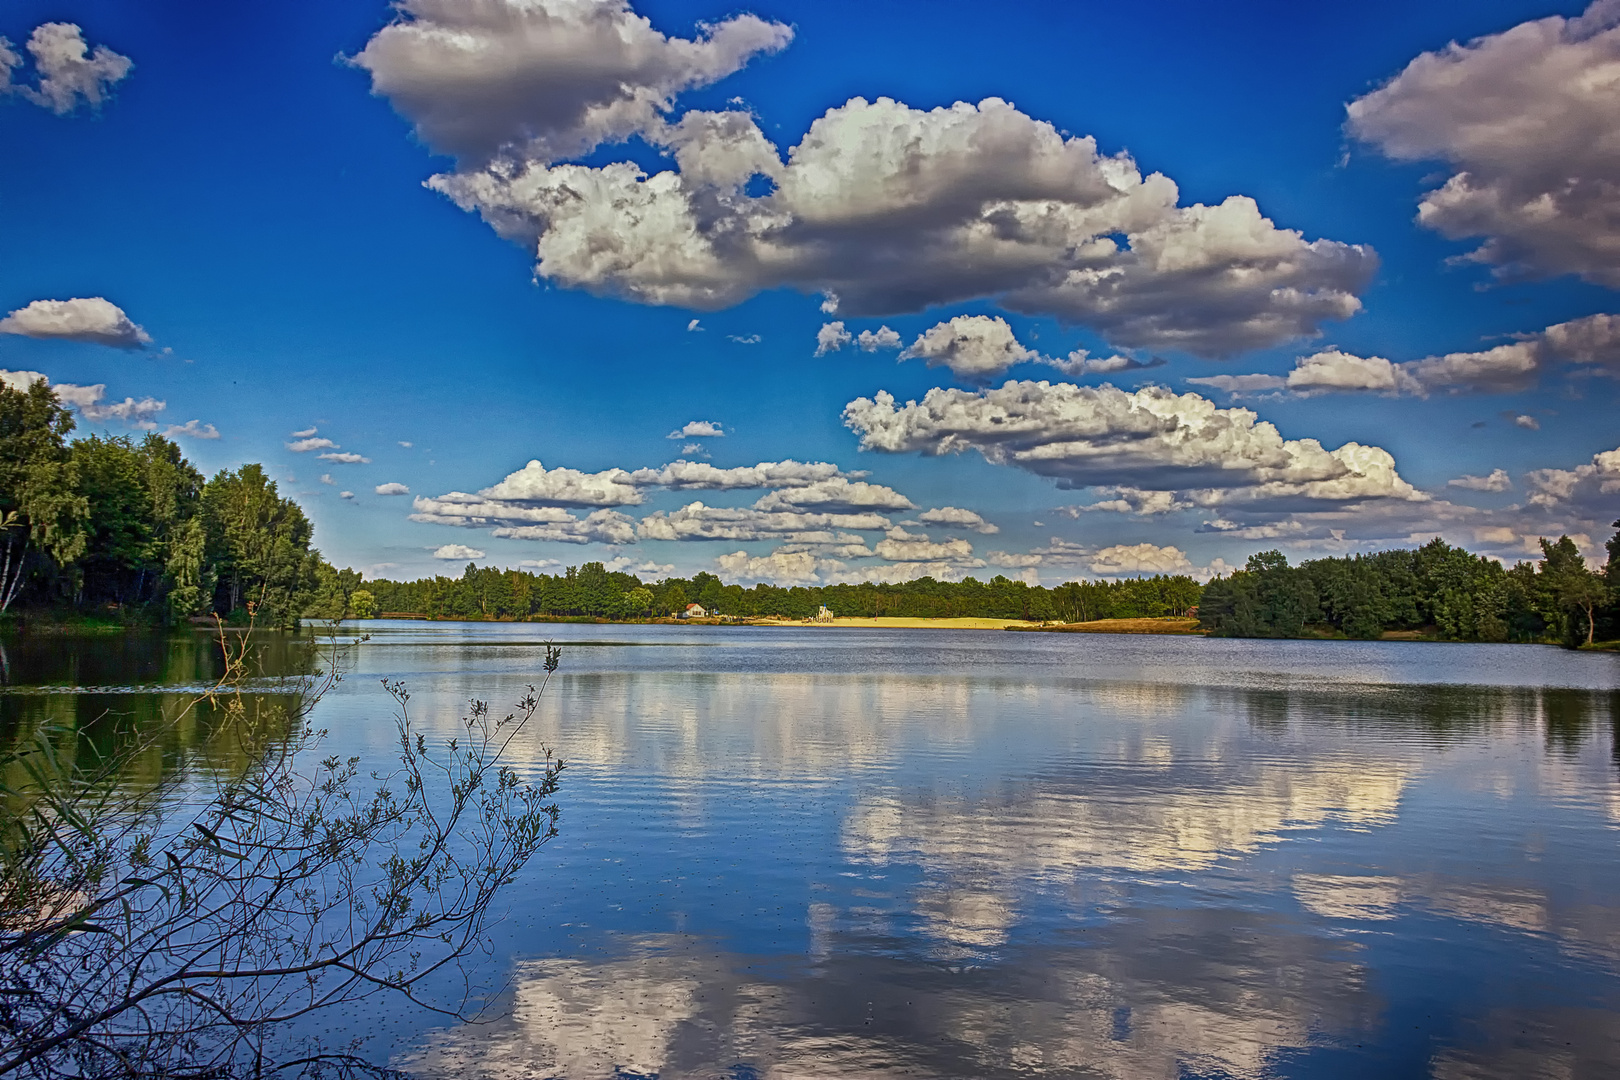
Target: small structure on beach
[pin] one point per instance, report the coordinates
(693, 611)
(824, 614)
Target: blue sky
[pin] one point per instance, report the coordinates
(249, 191)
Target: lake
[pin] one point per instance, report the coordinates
(870, 853)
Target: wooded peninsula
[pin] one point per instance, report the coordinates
(128, 532)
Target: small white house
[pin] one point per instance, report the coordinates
(824, 614)
(693, 611)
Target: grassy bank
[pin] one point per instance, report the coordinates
(72, 623)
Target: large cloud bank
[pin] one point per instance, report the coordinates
(1150, 439)
(880, 206)
(814, 511)
(1529, 119)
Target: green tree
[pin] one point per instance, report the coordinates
(363, 605)
(1611, 569)
(1267, 598)
(639, 600)
(1574, 587)
(120, 545)
(41, 510)
(260, 544)
(190, 575)
(713, 596)
(334, 592)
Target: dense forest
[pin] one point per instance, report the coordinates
(128, 527)
(1437, 590)
(115, 525)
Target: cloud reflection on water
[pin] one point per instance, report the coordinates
(1157, 996)
(1061, 871)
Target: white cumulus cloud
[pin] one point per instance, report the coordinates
(778, 568)
(836, 493)
(1591, 487)
(394, 488)
(345, 458)
(974, 347)
(544, 80)
(1123, 499)
(699, 521)
(137, 413)
(69, 72)
(536, 485)
(90, 401)
(702, 476)
(881, 338)
(1529, 120)
(1334, 370)
(832, 337)
(1080, 362)
(1126, 560)
(305, 445)
(898, 545)
(956, 517)
(1151, 439)
(1498, 480)
(1589, 345)
(524, 522)
(192, 429)
(879, 207)
(697, 429)
(90, 319)
(599, 526)
(457, 551)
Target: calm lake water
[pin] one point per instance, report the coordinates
(867, 853)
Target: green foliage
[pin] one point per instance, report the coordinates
(334, 593)
(1571, 591)
(591, 591)
(41, 509)
(1437, 590)
(111, 525)
(259, 543)
(1267, 599)
(1134, 598)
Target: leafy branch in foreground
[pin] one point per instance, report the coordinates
(176, 931)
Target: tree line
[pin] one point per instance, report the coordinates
(111, 523)
(592, 591)
(1438, 590)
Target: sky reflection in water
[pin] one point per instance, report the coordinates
(868, 853)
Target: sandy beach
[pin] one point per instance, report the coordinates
(897, 622)
(1098, 626)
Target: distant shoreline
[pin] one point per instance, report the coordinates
(1168, 625)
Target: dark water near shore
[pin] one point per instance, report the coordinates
(842, 853)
